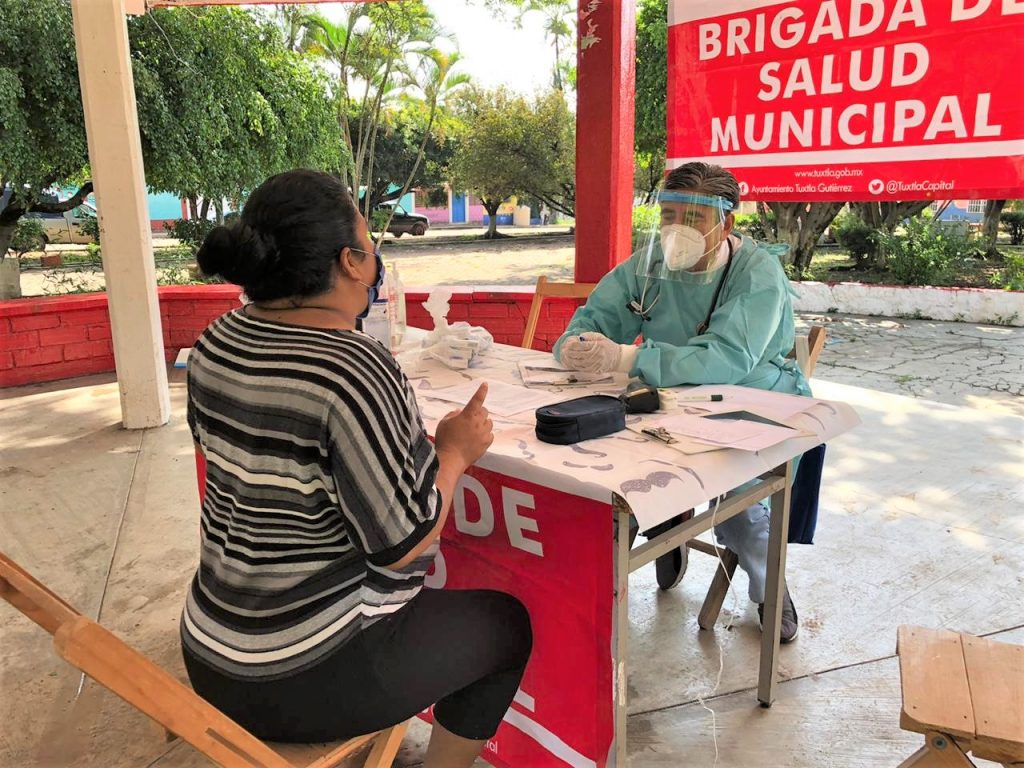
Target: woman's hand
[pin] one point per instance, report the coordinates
(465, 435)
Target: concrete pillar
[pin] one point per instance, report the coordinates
(115, 157)
(606, 87)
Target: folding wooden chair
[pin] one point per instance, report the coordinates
(545, 289)
(965, 694)
(110, 662)
(806, 352)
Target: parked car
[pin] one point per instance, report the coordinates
(60, 227)
(66, 227)
(404, 222)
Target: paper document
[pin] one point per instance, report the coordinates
(546, 371)
(502, 399)
(726, 433)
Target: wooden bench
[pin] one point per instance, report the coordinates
(965, 694)
(121, 669)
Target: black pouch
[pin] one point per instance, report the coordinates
(581, 419)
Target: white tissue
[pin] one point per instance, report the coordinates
(437, 305)
(454, 345)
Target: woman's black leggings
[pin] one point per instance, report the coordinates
(464, 651)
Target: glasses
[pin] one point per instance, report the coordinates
(374, 252)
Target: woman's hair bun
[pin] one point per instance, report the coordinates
(239, 253)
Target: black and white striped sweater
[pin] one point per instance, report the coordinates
(319, 475)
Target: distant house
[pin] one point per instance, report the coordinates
(971, 211)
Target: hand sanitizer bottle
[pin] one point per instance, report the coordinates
(396, 307)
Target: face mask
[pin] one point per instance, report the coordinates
(683, 246)
(372, 291)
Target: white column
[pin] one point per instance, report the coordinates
(115, 157)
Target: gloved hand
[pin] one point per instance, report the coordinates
(595, 353)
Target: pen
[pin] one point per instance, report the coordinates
(700, 399)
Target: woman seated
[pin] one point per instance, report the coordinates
(307, 620)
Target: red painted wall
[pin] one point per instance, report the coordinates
(60, 337)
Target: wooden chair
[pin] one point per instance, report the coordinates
(807, 349)
(544, 289)
(110, 662)
(965, 694)
(806, 352)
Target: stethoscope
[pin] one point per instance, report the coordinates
(639, 306)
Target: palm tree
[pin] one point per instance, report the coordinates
(293, 21)
(436, 80)
(334, 43)
(558, 28)
(374, 56)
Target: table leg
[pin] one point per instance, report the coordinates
(621, 637)
(778, 534)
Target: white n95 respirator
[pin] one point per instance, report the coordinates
(682, 246)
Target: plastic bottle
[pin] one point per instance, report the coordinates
(396, 307)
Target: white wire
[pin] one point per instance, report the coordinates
(721, 650)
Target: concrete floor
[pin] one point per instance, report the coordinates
(920, 524)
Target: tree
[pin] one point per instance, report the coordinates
(799, 225)
(436, 79)
(223, 104)
(547, 153)
(486, 162)
(651, 89)
(293, 21)
(990, 226)
(399, 140)
(559, 26)
(884, 217)
(42, 138)
(369, 48)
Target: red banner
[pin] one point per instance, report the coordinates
(554, 552)
(850, 99)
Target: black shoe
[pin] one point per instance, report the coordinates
(671, 567)
(790, 625)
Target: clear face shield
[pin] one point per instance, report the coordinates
(684, 237)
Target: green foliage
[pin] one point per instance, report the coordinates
(1011, 276)
(190, 232)
(514, 146)
(651, 88)
(793, 272)
(860, 239)
(482, 162)
(400, 133)
(1013, 223)
(28, 236)
(754, 225)
(379, 220)
(923, 253)
(90, 225)
(42, 140)
(223, 104)
(548, 153)
(645, 218)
